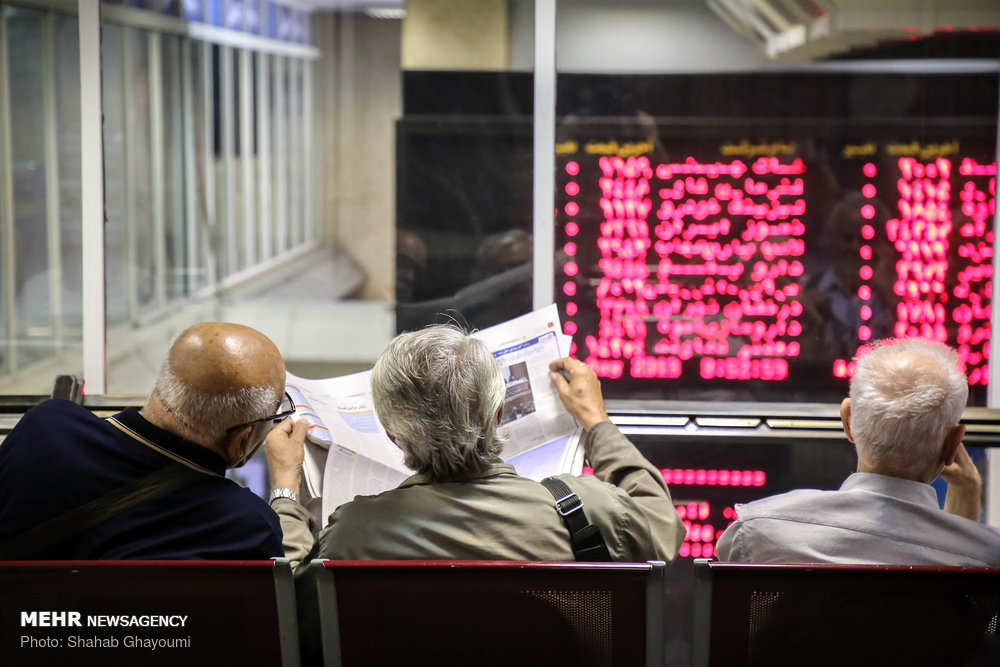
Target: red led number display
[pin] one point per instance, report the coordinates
(707, 269)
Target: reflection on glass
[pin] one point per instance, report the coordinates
(295, 180)
(752, 245)
(116, 233)
(32, 315)
(464, 202)
(190, 200)
(67, 87)
(140, 253)
(197, 223)
(279, 121)
(236, 228)
(173, 172)
(39, 288)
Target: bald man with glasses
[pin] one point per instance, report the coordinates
(150, 483)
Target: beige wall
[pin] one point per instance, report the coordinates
(456, 34)
(360, 98)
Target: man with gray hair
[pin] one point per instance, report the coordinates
(439, 394)
(151, 483)
(906, 400)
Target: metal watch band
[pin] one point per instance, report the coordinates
(283, 492)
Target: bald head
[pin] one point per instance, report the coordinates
(221, 358)
(216, 376)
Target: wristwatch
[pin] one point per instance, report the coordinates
(283, 492)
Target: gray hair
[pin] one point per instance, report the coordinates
(209, 414)
(438, 391)
(905, 397)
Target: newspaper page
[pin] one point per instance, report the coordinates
(534, 419)
(348, 452)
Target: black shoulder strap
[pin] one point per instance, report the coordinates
(585, 538)
(96, 512)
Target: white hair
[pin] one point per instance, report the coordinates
(905, 397)
(438, 392)
(210, 414)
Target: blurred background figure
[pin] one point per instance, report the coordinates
(832, 307)
(411, 261)
(499, 287)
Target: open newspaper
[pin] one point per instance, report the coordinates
(349, 454)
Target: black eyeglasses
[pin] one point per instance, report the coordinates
(285, 410)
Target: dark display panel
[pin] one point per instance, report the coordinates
(463, 216)
(718, 237)
(464, 198)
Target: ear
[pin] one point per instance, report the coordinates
(845, 418)
(499, 415)
(235, 444)
(951, 442)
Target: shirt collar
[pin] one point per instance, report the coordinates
(895, 487)
(495, 469)
(172, 443)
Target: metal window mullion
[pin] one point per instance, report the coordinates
(176, 232)
(210, 223)
(280, 121)
(92, 199)
(228, 238)
(52, 200)
(309, 153)
(264, 212)
(301, 159)
(131, 164)
(543, 275)
(8, 352)
(993, 388)
(296, 153)
(190, 175)
(248, 220)
(157, 171)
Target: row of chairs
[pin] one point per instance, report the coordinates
(441, 613)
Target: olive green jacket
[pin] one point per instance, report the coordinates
(499, 515)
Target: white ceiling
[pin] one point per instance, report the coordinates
(807, 29)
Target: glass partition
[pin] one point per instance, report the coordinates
(40, 299)
(729, 228)
(249, 170)
(332, 178)
(744, 236)
(464, 157)
(392, 161)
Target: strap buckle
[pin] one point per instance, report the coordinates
(573, 504)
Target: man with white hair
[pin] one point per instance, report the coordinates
(151, 483)
(906, 399)
(439, 394)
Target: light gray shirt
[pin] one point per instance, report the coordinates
(871, 519)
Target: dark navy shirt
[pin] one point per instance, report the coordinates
(60, 456)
